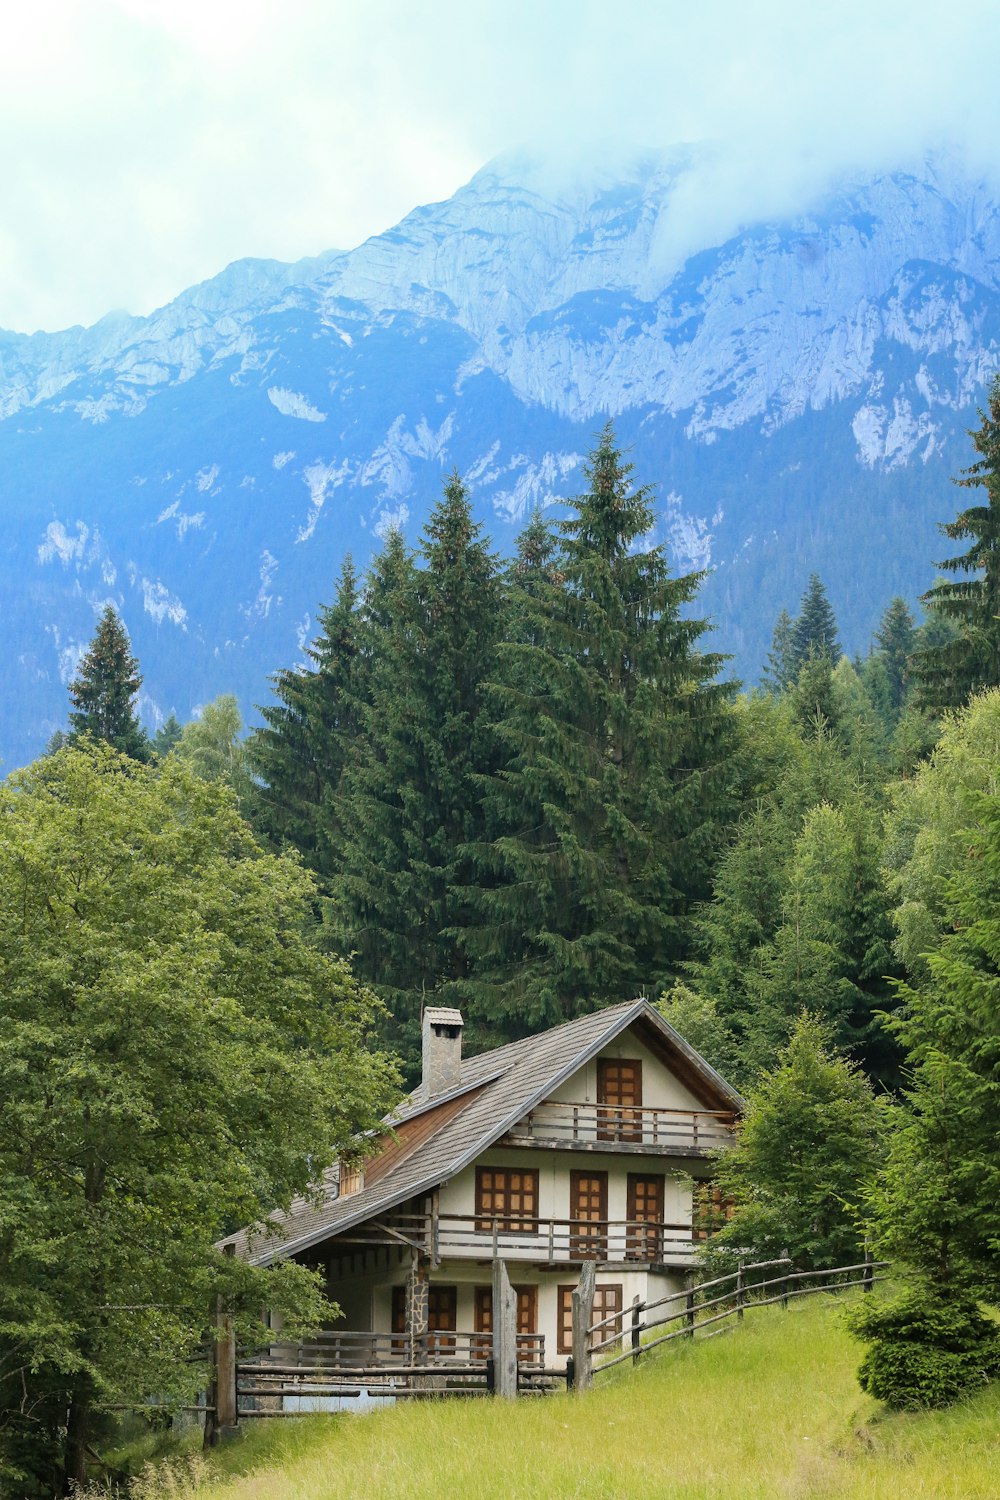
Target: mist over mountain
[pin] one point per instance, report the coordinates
(798, 393)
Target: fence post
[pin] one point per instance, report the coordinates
(689, 1309)
(739, 1292)
(868, 1275)
(784, 1283)
(570, 1372)
(583, 1316)
(636, 1309)
(504, 1332)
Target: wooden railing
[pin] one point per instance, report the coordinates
(346, 1350)
(684, 1131)
(525, 1237)
(692, 1311)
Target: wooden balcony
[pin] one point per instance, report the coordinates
(558, 1125)
(536, 1240)
(347, 1351)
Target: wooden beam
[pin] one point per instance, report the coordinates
(504, 1332)
(583, 1316)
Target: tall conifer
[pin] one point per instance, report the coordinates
(814, 630)
(605, 815)
(949, 673)
(105, 689)
(411, 802)
(298, 754)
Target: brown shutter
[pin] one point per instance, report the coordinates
(644, 1236)
(619, 1099)
(588, 1208)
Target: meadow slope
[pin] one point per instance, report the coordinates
(769, 1411)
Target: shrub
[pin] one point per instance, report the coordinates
(925, 1349)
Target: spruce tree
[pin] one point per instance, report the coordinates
(104, 691)
(949, 673)
(814, 631)
(895, 640)
(167, 736)
(299, 752)
(411, 798)
(778, 675)
(605, 818)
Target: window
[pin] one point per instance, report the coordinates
(398, 1324)
(588, 1211)
(508, 1196)
(607, 1300)
(352, 1180)
(527, 1318)
(644, 1236)
(619, 1099)
(709, 1210)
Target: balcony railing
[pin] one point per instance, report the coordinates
(528, 1237)
(684, 1131)
(345, 1350)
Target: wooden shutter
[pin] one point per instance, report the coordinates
(588, 1209)
(608, 1300)
(564, 1336)
(527, 1320)
(619, 1099)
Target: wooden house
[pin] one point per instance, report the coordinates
(592, 1141)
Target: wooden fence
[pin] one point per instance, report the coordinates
(722, 1301)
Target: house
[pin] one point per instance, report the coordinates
(587, 1142)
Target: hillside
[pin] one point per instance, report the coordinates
(770, 1411)
(798, 391)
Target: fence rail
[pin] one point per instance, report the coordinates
(730, 1296)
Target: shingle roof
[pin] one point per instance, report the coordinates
(502, 1086)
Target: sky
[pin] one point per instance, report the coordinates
(145, 144)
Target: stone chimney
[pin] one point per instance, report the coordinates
(442, 1037)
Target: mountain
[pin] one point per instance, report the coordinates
(799, 393)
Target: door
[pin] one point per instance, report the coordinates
(588, 1211)
(619, 1099)
(644, 1235)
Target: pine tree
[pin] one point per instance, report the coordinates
(778, 675)
(104, 691)
(814, 631)
(167, 736)
(605, 818)
(411, 798)
(299, 752)
(949, 673)
(896, 640)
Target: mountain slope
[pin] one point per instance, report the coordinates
(798, 393)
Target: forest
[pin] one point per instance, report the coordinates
(527, 787)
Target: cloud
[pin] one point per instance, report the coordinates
(146, 143)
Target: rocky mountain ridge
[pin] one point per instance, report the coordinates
(798, 393)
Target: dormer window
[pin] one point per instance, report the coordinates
(352, 1180)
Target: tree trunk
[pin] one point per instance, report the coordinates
(77, 1435)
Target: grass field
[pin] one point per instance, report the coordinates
(766, 1412)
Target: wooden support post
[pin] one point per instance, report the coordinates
(784, 1284)
(504, 1333)
(583, 1316)
(739, 1292)
(636, 1310)
(689, 1310)
(868, 1275)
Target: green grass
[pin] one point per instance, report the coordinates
(769, 1412)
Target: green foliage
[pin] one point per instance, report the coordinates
(896, 640)
(950, 672)
(925, 1349)
(814, 630)
(696, 1017)
(104, 691)
(926, 839)
(298, 754)
(810, 1143)
(411, 799)
(167, 736)
(605, 818)
(937, 1200)
(211, 746)
(778, 674)
(175, 1060)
